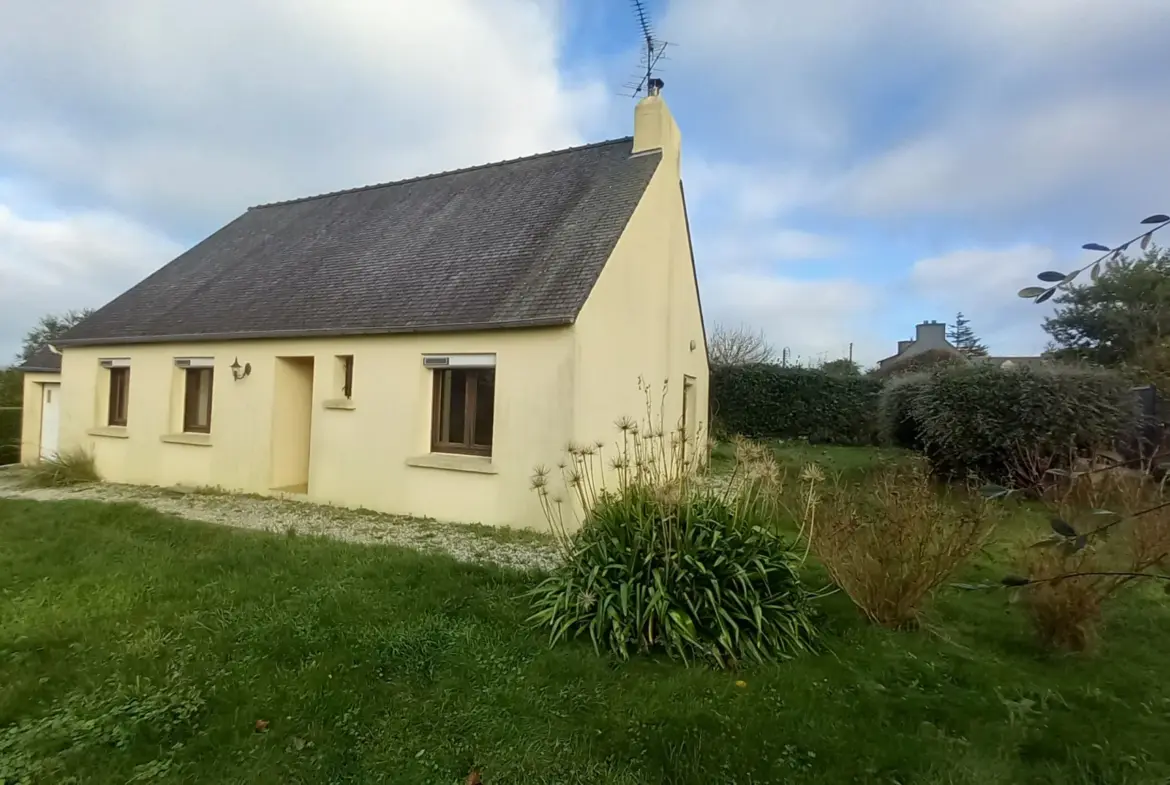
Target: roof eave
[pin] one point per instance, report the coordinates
(331, 332)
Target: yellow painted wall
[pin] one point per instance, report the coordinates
(30, 439)
(359, 455)
(643, 314)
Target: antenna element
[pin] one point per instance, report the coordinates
(653, 49)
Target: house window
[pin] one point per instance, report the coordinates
(119, 396)
(197, 400)
(464, 402)
(345, 374)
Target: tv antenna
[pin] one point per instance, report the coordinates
(653, 49)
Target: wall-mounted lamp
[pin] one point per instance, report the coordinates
(238, 372)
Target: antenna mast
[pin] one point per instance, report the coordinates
(653, 50)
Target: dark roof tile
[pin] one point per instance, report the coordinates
(512, 244)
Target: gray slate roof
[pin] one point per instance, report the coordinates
(513, 244)
(43, 360)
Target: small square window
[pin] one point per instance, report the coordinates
(463, 410)
(197, 400)
(119, 396)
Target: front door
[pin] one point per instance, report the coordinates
(50, 419)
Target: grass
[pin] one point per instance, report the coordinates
(850, 462)
(137, 645)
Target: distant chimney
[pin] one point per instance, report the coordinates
(654, 126)
(903, 346)
(931, 335)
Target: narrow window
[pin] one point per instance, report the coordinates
(463, 410)
(346, 373)
(119, 396)
(197, 400)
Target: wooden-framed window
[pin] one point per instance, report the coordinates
(119, 396)
(197, 400)
(463, 410)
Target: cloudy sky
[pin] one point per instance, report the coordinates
(853, 167)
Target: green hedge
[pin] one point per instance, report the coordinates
(1011, 426)
(770, 401)
(9, 435)
(896, 420)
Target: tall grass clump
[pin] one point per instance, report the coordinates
(665, 562)
(1110, 530)
(68, 467)
(890, 543)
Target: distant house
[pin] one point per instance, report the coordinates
(41, 415)
(931, 337)
(416, 347)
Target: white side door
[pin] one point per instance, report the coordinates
(50, 419)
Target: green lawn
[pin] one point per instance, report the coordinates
(849, 462)
(136, 645)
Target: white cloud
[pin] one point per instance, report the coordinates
(815, 320)
(184, 109)
(1100, 143)
(52, 263)
(982, 283)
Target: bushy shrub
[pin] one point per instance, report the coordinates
(890, 543)
(896, 415)
(69, 467)
(664, 561)
(9, 435)
(683, 574)
(1110, 528)
(930, 360)
(1014, 426)
(770, 401)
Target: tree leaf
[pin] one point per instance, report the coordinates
(993, 491)
(1062, 527)
(1029, 292)
(1095, 247)
(1146, 240)
(1050, 276)
(1071, 276)
(1047, 295)
(1015, 580)
(1095, 273)
(1080, 542)
(1125, 246)
(1156, 219)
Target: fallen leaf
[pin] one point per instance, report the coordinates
(741, 684)
(261, 726)
(473, 778)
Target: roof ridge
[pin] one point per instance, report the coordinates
(445, 173)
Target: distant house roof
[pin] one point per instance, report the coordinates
(44, 360)
(513, 244)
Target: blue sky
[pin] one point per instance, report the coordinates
(852, 167)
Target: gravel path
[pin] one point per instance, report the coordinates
(470, 543)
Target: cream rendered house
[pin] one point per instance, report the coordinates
(416, 347)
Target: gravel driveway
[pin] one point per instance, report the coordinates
(470, 543)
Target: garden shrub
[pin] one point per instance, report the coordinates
(69, 467)
(896, 415)
(682, 574)
(771, 401)
(930, 360)
(889, 543)
(665, 562)
(1015, 426)
(9, 435)
(1110, 529)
